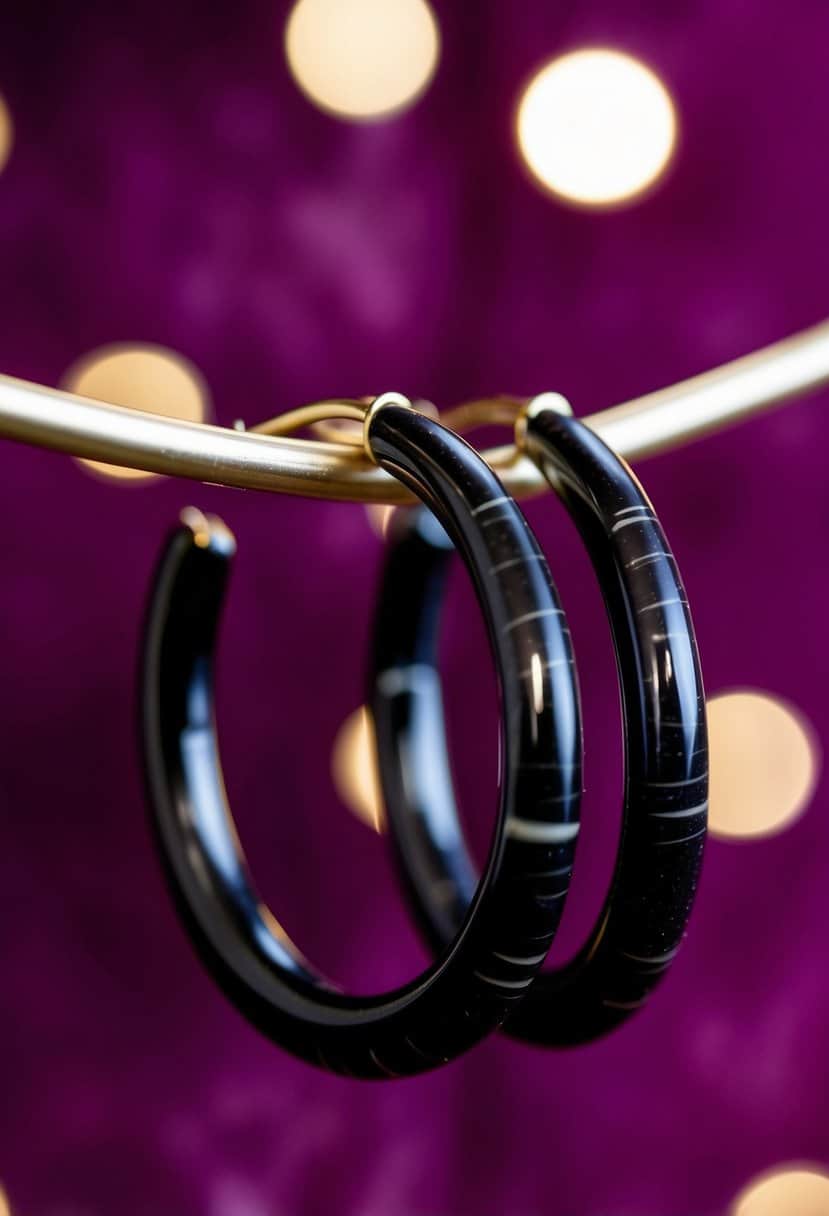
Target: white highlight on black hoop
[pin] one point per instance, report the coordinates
(533, 832)
(660, 604)
(638, 519)
(517, 561)
(648, 557)
(686, 814)
(532, 616)
(411, 678)
(530, 672)
(654, 959)
(487, 506)
(529, 961)
(504, 983)
(676, 785)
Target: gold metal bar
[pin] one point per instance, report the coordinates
(46, 417)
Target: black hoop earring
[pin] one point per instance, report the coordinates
(666, 787)
(502, 940)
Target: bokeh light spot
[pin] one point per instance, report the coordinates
(362, 59)
(788, 1192)
(6, 141)
(354, 769)
(765, 760)
(379, 517)
(596, 127)
(142, 377)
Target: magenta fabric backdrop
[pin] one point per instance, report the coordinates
(169, 184)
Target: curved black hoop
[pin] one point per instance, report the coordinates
(504, 935)
(666, 787)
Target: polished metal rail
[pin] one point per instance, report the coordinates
(46, 417)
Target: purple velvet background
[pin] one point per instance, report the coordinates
(169, 184)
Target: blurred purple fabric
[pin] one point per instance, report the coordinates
(169, 184)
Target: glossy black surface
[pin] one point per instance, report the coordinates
(501, 939)
(666, 778)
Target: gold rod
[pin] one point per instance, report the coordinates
(669, 418)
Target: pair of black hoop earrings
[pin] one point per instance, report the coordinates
(490, 933)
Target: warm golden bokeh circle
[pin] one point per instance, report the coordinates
(379, 517)
(354, 769)
(765, 761)
(362, 59)
(6, 133)
(142, 377)
(596, 127)
(786, 1192)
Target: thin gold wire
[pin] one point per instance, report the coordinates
(308, 415)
